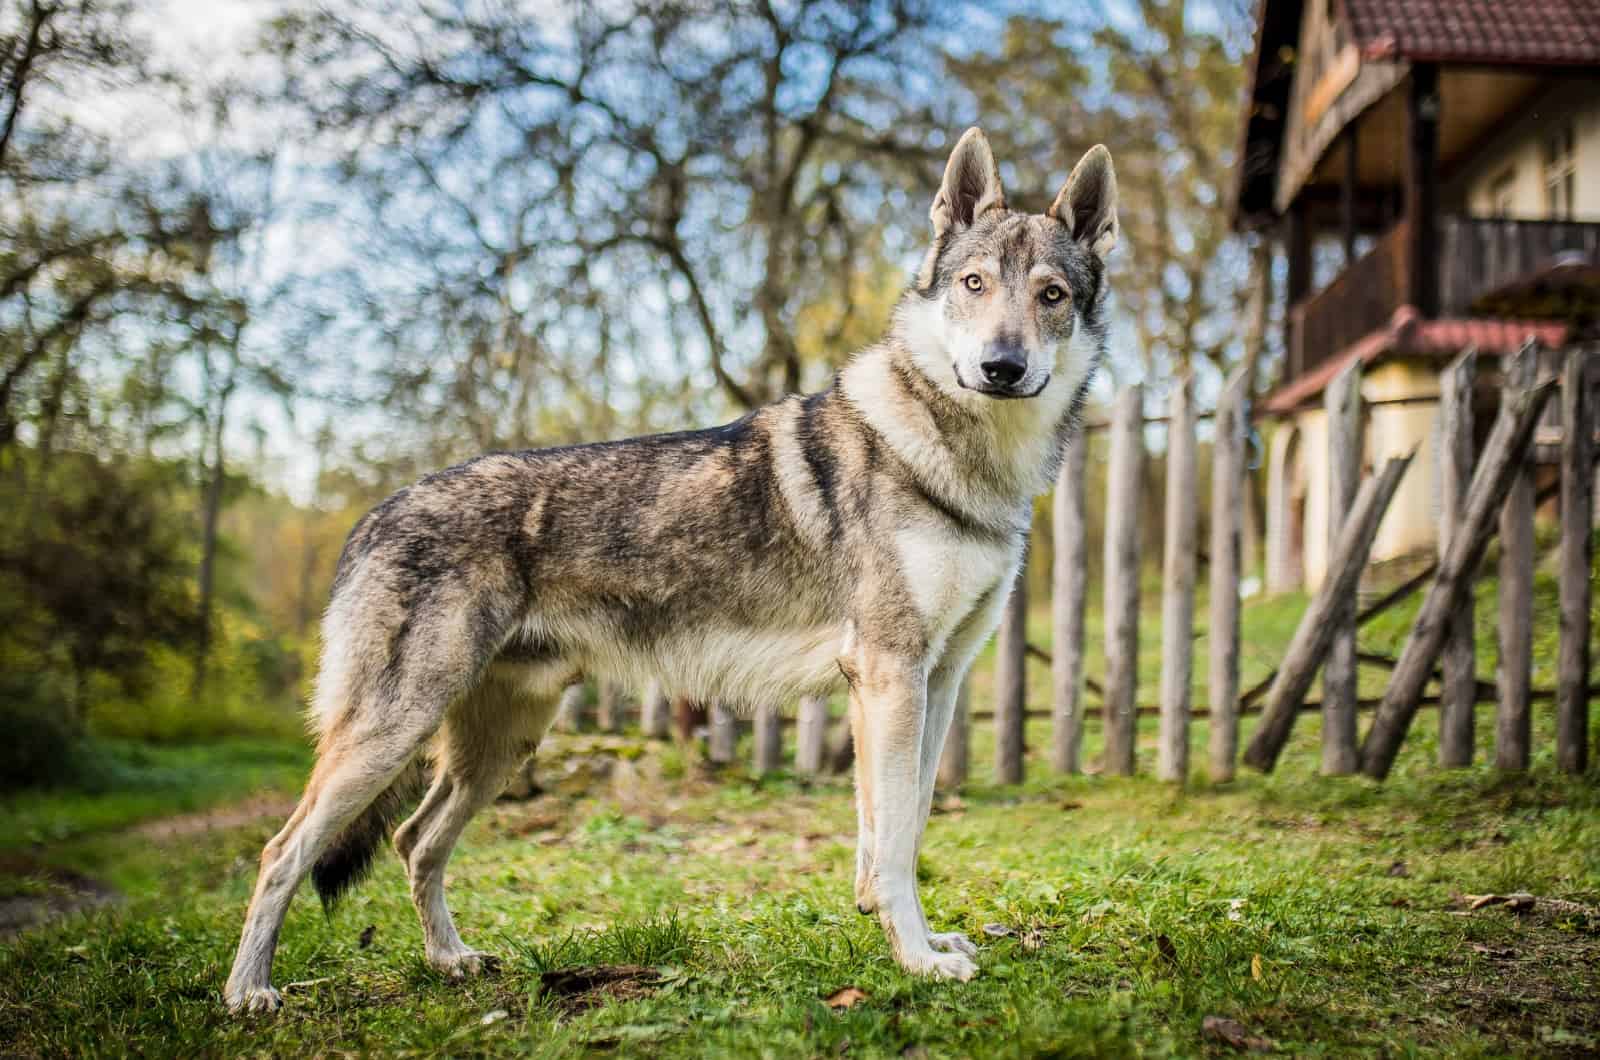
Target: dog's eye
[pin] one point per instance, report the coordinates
(1052, 294)
(973, 282)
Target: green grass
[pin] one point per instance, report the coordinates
(136, 782)
(1135, 912)
(1322, 914)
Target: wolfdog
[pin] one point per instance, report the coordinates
(870, 532)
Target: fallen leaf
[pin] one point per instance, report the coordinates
(1520, 902)
(1496, 952)
(1165, 947)
(1233, 1034)
(1399, 870)
(1255, 967)
(1069, 805)
(491, 1018)
(998, 931)
(79, 952)
(846, 997)
(1032, 939)
(368, 933)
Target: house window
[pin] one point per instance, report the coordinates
(1560, 172)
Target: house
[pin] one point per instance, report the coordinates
(1430, 172)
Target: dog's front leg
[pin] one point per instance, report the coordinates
(891, 695)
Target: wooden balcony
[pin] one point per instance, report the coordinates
(1480, 260)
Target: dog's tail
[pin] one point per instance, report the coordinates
(348, 860)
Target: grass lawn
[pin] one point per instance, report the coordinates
(1322, 915)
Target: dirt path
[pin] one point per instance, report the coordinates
(33, 892)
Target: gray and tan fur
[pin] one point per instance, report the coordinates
(871, 530)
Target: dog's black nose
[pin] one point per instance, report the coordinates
(1003, 365)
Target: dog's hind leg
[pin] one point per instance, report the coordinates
(383, 689)
(486, 736)
(356, 764)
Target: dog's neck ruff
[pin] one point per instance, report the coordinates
(984, 458)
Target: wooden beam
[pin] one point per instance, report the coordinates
(1507, 446)
(811, 734)
(1070, 591)
(1177, 590)
(1297, 248)
(655, 713)
(1514, 674)
(1577, 557)
(1458, 687)
(1347, 192)
(1422, 188)
(766, 755)
(957, 754)
(1342, 400)
(1010, 683)
(1122, 581)
(1309, 646)
(1227, 511)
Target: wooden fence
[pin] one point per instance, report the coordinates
(1494, 494)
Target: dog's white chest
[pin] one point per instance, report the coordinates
(947, 573)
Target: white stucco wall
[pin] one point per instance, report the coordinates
(1519, 150)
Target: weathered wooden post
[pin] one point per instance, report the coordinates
(569, 709)
(767, 754)
(724, 736)
(1514, 674)
(608, 707)
(1340, 756)
(957, 745)
(1070, 584)
(1010, 683)
(1177, 591)
(811, 735)
(1502, 458)
(1577, 558)
(1227, 510)
(1309, 646)
(1458, 692)
(1122, 581)
(655, 712)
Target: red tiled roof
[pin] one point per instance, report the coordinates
(1407, 333)
(1536, 32)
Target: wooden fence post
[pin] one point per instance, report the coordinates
(569, 709)
(1227, 509)
(1177, 591)
(1458, 691)
(1010, 683)
(957, 745)
(1577, 557)
(1502, 457)
(811, 734)
(655, 712)
(1122, 581)
(1340, 756)
(1070, 584)
(608, 707)
(724, 736)
(1309, 647)
(767, 755)
(1514, 673)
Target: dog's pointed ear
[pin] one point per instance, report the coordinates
(971, 185)
(1087, 204)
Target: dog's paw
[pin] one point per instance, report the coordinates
(466, 965)
(953, 942)
(253, 1001)
(957, 966)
